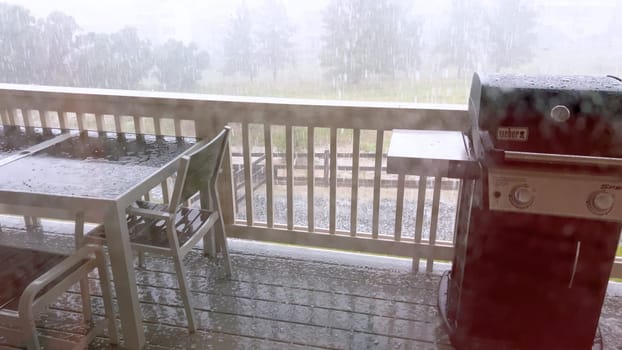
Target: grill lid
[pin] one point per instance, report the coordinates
(555, 115)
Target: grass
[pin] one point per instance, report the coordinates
(424, 90)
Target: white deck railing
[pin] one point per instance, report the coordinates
(359, 208)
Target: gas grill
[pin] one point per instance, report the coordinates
(540, 210)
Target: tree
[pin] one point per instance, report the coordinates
(119, 60)
(510, 34)
(366, 38)
(239, 46)
(461, 41)
(273, 34)
(55, 45)
(17, 34)
(178, 67)
(408, 57)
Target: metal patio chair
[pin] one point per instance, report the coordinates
(173, 229)
(32, 280)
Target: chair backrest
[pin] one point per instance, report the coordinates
(198, 170)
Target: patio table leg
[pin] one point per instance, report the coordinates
(121, 259)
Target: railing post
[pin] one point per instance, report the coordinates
(326, 167)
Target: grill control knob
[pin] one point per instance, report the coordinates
(560, 113)
(601, 202)
(521, 196)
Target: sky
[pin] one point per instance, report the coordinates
(175, 18)
(179, 18)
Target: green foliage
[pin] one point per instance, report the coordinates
(492, 38)
(273, 37)
(261, 40)
(371, 50)
(56, 42)
(119, 60)
(510, 44)
(178, 67)
(17, 32)
(54, 51)
(461, 42)
(239, 46)
(368, 38)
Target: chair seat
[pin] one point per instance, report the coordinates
(20, 268)
(152, 232)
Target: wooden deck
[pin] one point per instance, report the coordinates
(283, 297)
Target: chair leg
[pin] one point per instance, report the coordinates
(185, 293)
(79, 230)
(84, 282)
(224, 247)
(209, 244)
(30, 335)
(104, 283)
(85, 294)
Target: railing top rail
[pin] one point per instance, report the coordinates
(221, 108)
(76, 92)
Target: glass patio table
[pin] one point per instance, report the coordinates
(98, 175)
(15, 141)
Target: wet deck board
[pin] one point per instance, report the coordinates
(288, 298)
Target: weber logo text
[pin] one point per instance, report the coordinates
(512, 134)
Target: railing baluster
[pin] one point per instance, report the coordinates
(117, 124)
(99, 122)
(289, 163)
(80, 120)
(177, 124)
(248, 178)
(356, 152)
(333, 181)
(26, 113)
(419, 219)
(62, 120)
(267, 134)
(13, 117)
(436, 198)
(4, 117)
(137, 126)
(377, 173)
(311, 178)
(43, 118)
(399, 206)
(157, 128)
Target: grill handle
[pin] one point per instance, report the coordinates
(562, 159)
